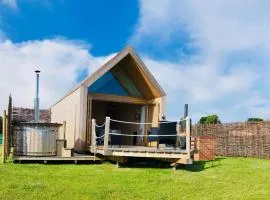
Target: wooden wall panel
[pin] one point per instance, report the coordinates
(131, 70)
(70, 110)
(119, 99)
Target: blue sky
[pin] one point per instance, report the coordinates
(106, 25)
(213, 55)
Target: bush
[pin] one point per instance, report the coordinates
(210, 119)
(255, 119)
(202, 120)
(1, 125)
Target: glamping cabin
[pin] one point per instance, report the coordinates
(116, 108)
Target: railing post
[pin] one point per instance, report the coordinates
(93, 138)
(188, 136)
(106, 136)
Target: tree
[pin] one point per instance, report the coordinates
(210, 119)
(1, 125)
(254, 119)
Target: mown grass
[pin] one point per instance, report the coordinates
(229, 178)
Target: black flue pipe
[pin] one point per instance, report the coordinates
(186, 110)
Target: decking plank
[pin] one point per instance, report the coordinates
(147, 152)
(141, 149)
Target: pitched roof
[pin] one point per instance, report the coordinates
(128, 51)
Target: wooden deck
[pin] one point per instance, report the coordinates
(176, 155)
(146, 152)
(144, 149)
(74, 159)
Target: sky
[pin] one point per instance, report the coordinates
(213, 55)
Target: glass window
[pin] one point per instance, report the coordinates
(107, 84)
(116, 83)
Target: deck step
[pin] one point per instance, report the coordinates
(66, 152)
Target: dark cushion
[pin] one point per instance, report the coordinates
(115, 139)
(153, 131)
(168, 129)
(99, 133)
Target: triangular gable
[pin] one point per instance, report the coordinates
(128, 51)
(153, 85)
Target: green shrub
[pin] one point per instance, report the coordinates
(255, 119)
(210, 119)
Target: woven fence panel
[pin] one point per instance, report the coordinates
(238, 139)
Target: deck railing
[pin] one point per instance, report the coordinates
(185, 131)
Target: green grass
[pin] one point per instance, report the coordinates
(229, 178)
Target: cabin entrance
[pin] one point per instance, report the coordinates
(121, 112)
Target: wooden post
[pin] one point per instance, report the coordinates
(106, 136)
(93, 136)
(145, 134)
(88, 121)
(4, 137)
(64, 133)
(64, 129)
(8, 129)
(188, 136)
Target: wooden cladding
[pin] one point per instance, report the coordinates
(131, 70)
(120, 99)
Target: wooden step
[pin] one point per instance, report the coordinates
(66, 152)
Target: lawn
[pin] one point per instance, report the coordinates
(229, 178)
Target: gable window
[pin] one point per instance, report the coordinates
(107, 84)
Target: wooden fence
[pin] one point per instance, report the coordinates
(238, 139)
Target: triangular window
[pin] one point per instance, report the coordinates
(115, 83)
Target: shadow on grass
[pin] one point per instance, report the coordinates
(197, 166)
(145, 163)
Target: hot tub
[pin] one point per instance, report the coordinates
(35, 139)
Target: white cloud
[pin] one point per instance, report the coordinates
(59, 61)
(10, 3)
(227, 74)
(232, 57)
(200, 86)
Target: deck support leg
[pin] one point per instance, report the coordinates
(174, 166)
(117, 162)
(45, 161)
(75, 161)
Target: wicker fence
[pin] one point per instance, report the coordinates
(27, 115)
(238, 139)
